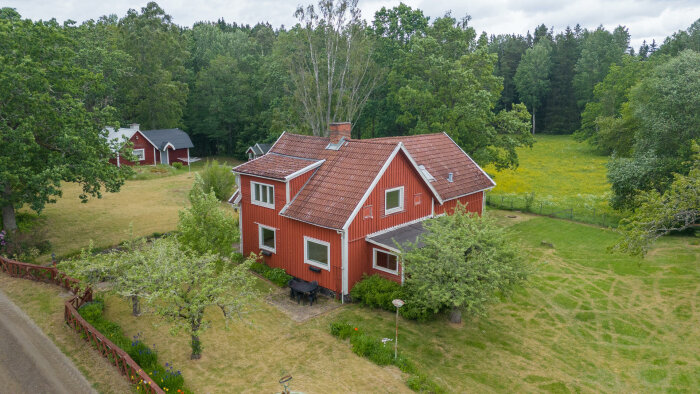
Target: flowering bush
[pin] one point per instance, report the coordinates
(146, 357)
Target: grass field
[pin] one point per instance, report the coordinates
(586, 321)
(150, 203)
(561, 174)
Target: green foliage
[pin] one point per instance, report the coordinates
(219, 179)
(277, 276)
(376, 292)
(677, 209)
(532, 77)
(177, 165)
(205, 227)
(49, 130)
(466, 262)
(146, 357)
(382, 353)
(662, 104)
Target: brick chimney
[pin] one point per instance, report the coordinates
(339, 130)
(134, 126)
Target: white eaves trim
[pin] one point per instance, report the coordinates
(383, 246)
(398, 226)
(304, 170)
(144, 136)
(469, 194)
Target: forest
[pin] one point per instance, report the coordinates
(397, 73)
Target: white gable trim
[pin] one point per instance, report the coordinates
(472, 160)
(149, 141)
(372, 185)
(383, 246)
(304, 170)
(399, 147)
(169, 144)
(278, 140)
(423, 177)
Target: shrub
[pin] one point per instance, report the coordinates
(146, 357)
(422, 384)
(277, 276)
(219, 179)
(342, 330)
(366, 346)
(177, 165)
(377, 292)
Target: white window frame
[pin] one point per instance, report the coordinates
(261, 244)
(313, 262)
(143, 154)
(376, 267)
(401, 202)
(260, 203)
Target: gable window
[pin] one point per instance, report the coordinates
(140, 154)
(367, 212)
(267, 238)
(393, 200)
(384, 261)
(262, 194)
(317, 253)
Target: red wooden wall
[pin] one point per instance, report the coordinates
(289, 237)
(474, 203)
(175, 155)
(399, 173)
(140, 142)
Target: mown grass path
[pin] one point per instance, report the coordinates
(586, 320)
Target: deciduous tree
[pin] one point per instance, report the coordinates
(532, 76)
(466, 261)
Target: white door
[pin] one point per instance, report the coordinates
(164, 157)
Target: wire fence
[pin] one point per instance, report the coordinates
(605, 217)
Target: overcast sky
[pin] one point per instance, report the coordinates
(645, 19)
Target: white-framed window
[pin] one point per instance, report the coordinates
(317, 253)
(393, 200)
(140, 153)
(267, 238)
(262, 194)
(385, 261)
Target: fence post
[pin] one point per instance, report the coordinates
(571, 214)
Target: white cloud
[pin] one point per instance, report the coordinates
(645, 19)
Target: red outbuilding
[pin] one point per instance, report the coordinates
(330, 209)
(163, 146)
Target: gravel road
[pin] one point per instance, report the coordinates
(29, 361)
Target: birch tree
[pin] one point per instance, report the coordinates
(332, 68)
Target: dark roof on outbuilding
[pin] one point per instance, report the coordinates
(403, 235)
(162, 137)
(260, 149)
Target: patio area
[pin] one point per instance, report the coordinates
(300, 312)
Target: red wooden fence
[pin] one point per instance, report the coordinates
(118, 357)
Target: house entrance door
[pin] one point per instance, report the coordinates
(164, 157)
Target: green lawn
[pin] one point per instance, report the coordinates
(585, 321)
(561, 174)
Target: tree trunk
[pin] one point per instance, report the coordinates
(135, 306)
(196, 348)
(533, 120)
(456, 315)
(9, 221)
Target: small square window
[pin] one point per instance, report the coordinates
(387, 262)
(262, 194)
(393, 200)
(367, 212)
(140, 154)
(267, 240)
(317, 253)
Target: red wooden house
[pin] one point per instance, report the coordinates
(330, 209)
(164, 146)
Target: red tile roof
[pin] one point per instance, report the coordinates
(274, 166)
(440, 156)
(334, 191)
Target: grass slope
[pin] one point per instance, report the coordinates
(586, 321)
(562, 174)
